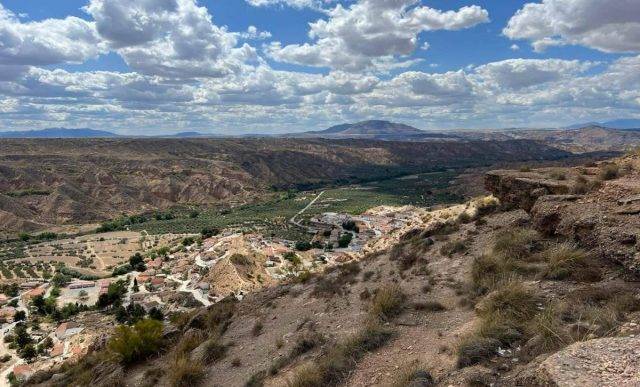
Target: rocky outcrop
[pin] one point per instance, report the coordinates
(603, 221)
(611, 361)
(522, 189)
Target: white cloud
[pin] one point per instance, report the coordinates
(51, 41)
(514, 47)
(290, 3)
(253, 33)
(173, 38)
(609, 26)
(353, 38)
(522, 73)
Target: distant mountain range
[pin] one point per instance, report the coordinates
(372, 130)
(88, 133)
(625, 123)
(59, 133)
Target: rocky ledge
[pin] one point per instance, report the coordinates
(596, 207)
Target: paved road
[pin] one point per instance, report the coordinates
(293, 218)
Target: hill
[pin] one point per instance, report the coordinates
(624, 123)
(84, 180)
(59, 133)
(374, 129)
(540, 290)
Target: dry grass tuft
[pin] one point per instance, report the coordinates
(565, 261)
(387, 302)
(184, 372)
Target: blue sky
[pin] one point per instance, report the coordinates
(241, 66)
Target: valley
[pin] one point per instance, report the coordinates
(312, 236)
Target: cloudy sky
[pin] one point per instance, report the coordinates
(273, 66)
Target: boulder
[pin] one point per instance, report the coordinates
(613, 361)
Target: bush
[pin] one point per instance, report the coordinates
(345, 240)
(138, 342)
(609, 172)
(429, 306)
(336, 365)
(516, 244)
(184, 372)
(303, 246)
(208, 232)
(188, 241)
(566, 261)
(239, 259)
(387, 302)
(453, 247)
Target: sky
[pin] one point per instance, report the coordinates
(143, 67)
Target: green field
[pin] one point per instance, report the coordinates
(419, 190)
(271, 216)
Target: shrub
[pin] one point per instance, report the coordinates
(345, 240)
(549, 331)
(335, 366)
(137, 342)
(609, 172)
(240, 260)
(453, 247)
(429, 306)
(566, 261)
(487, 271)
(184, 372)
(516, 244)
(387, 301)
(303, 246)
(513, 301)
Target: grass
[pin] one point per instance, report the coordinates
(335, 366)
(513, 301)
(609, 172)
(184, 372)
(413, 375)
(453, 247)
(565, 261)
(504, 317)
(516, 244)
(429, 306)
(387, 302)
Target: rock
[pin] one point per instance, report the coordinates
(522, 189)
(599, 362)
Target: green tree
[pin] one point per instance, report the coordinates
(20, 316)
(136, 342)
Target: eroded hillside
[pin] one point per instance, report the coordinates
(539, 291)
(44, 182)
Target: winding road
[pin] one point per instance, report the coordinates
(312, 202)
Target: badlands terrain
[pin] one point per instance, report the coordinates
(532, 284)
(51, 182)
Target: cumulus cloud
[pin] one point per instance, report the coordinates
(253, 33)
(290, 3)
(522, 73)
(51, 41)
(609, 26)
(352, 38)
(173, 38)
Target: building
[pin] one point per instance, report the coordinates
(40, 291)
(22, 371)
(67, 329)
(7, 313)
(81, 285)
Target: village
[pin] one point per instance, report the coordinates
(46, 322)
